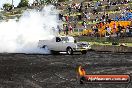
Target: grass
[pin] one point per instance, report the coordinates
(129, 44)
(88, 22)
(97, 41)
(109, 43)
(71, 34)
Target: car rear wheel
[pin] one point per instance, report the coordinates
(69, 51)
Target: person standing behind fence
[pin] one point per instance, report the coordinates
(114, 28)
(69, 9)
(127, 31)
(67, 18)
(119, 30)
(70, 28)
(64, 28)
(84, 24)
(108, 33)
(67, 29)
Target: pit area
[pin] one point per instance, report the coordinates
(60, 71)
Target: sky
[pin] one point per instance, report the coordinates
(16, 2)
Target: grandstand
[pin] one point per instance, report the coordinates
(119, 13)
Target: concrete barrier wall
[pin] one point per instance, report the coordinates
(107, 48)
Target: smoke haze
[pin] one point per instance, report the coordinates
(22, 36)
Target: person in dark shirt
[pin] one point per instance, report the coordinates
(67, 29)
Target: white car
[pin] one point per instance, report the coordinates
(64, 44)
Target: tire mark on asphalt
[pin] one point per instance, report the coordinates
(29, 82)
(112, 69)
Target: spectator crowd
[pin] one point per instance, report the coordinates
(96, 17)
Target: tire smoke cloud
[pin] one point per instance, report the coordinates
(22, 36)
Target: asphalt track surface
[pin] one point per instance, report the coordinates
(59, 71)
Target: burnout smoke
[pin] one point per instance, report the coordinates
(22, 36)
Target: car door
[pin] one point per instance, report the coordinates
(58, 44)
(65, 43)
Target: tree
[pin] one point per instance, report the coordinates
(7, 6)
(49, 1)
(23, 3)
(62, 0)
